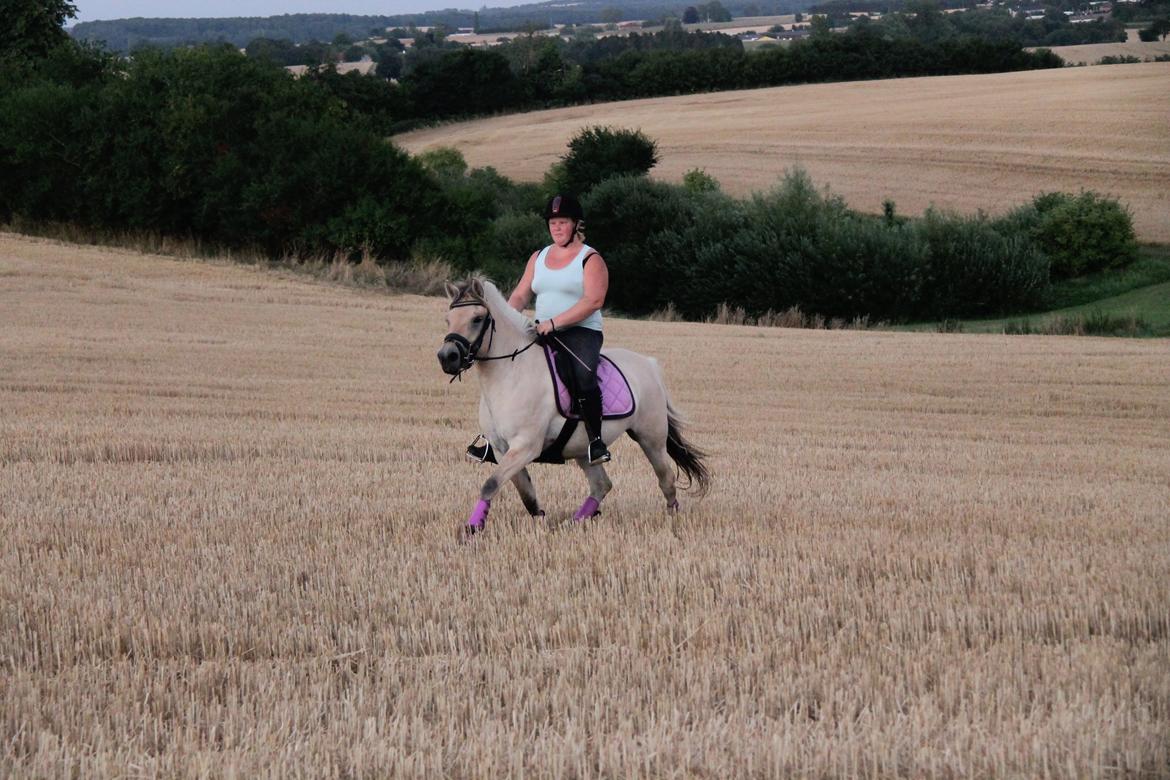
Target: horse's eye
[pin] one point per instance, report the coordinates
(477, 320)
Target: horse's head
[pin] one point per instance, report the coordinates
(468, 320)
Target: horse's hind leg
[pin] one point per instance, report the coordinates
(655, 451)
(599, 487)
(527, 491)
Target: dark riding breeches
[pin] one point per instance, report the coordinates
(585, 343)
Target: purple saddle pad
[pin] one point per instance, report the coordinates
(617, 400)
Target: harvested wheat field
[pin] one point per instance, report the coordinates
(227, 499)
(959, 142)
(1091, 53)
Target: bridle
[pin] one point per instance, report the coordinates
(469, 350)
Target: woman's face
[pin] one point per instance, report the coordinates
(561, 230)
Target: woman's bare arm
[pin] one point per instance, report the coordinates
(522, 295)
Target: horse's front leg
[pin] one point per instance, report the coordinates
(527, 491)
(518, 456)
(599, 487)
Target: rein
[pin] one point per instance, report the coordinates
(470, 349)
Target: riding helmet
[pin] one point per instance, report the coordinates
(564, 205)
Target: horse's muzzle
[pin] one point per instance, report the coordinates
(450, 358)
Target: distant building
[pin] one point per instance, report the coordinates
(365, 66)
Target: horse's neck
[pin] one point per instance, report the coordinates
(502, 376)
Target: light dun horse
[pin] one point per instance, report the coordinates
(518, 413)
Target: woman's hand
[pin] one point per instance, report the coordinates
(545, 327)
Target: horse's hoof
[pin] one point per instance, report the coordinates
(672, 507)
(590, 509)
(465, 533)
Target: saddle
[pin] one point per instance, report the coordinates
(617, 402)
(617, 399)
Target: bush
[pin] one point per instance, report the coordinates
(627, 217)
(1158, 30)
(599, 153)
(207, 144)
(795, 247)
(807, 249)
(504, 250)
(698, 180)
(975, 267)
(1080, 234)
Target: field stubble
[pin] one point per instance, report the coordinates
(1134, 46)
(964, 143)
(227, 499)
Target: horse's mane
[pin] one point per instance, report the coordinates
(494, 300)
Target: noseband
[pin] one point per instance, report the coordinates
(469, 350)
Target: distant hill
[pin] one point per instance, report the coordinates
(126, 34)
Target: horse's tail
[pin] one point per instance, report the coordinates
(689, 458)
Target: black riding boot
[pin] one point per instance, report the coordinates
(481, 450)
(591, 412)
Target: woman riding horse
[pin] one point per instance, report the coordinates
(570, 280)
(519, 414)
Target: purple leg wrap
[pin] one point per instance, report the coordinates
(479, 514)
(588, 509)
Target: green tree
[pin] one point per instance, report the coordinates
(698, 180)
(29, 29)
(690, 15)
(1158, 29)
(1082, 233)
(599, 153)
(282, 52)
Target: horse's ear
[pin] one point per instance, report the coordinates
(477, 288)
(452, 290)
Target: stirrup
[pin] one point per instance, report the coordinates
(596, 457)
(481, 453)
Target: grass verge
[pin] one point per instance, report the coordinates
(1133, 301)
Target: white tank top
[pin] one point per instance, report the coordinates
(558, 290)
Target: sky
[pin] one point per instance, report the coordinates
(92, 10)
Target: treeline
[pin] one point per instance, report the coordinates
(1145, 11)
(233, 152)
(925, 20)
(204, 144)
(927, 23)
(692, 249)
(207, 144)
(124, 35)
(541, 72)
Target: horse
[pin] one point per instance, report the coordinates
(518, 412)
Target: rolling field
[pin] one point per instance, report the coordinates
(960, 142)
(227, 499)
(1091, 53)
